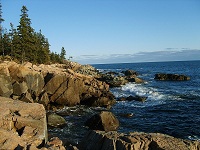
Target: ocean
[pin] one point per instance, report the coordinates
(172, 107)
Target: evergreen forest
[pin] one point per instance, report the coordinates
(24, 44)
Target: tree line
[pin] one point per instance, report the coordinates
(25, 44)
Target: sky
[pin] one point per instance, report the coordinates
(110, 31)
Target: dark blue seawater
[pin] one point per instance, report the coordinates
(172, 107)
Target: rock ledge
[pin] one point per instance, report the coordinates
(100, 140)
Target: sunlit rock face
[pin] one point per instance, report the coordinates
(55, 84)
(22, 124)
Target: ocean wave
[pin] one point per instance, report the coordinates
(194, 137)
(142, 90)
(154, 96)
(108, 70)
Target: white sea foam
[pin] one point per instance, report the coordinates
(142, 90)
(194, 137)
(154, 96)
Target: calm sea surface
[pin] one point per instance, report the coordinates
(172, 107)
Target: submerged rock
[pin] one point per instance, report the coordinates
(55, 120)
(127, 115)
(171, 77)
(100, 140)
(136, 98)
(105, 121)
(131, 98)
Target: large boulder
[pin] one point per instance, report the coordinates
(24, 80)
(19, 88)
(105, 121)
(34, 80)
(64, 89)
(5, 82)
(55, 120)
(171, 77)
(100, 140)
(73, 88)
(6, 88)
(22, 124)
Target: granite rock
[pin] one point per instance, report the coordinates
(21, 125)
(100, 140)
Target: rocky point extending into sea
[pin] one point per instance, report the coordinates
(28, 91)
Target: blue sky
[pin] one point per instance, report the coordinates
(94, 30)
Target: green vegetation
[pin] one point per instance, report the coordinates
(24, 44)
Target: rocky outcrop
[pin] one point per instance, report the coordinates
(52, 85)
(171, 77)
(116, 79)
(88, 70)
(73, 88)
(130, 73)
(131, 76)
(22, 124)
(105, 121)
(100, 140)
(113, 80)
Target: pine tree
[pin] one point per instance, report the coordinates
(42, 48)
(25, 32)
(12, 32)
(55, 58)
(1, 32)
(62, 54)
(6, 44)
(15, 43)
(52, 57)
(46, 50)
(24, 44)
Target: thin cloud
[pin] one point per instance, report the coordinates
(155, 56)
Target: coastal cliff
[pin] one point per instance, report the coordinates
(52, 85)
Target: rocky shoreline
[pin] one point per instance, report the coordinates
(28, 91)
(52, 85)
